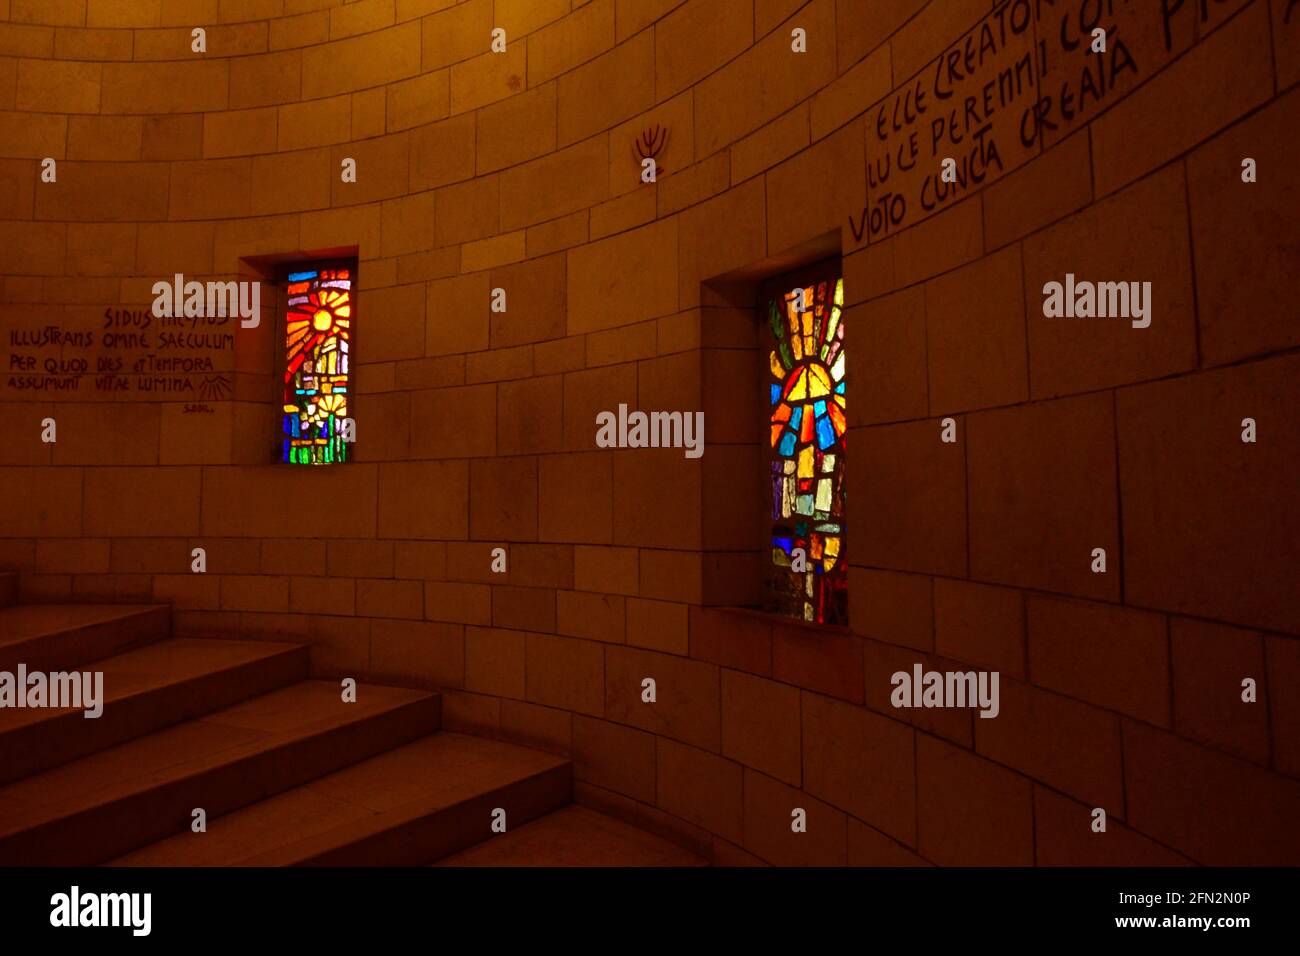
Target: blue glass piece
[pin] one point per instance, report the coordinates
(825, 433)
(839, 389)
(776, 393)
(301, 276)
(796, 419)
(819, 409)
(787, 445)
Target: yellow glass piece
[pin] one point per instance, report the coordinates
(777, 368)
(806, 461)
(291, 409)
(839, 292)
(322, 320)
(796, 344)
(833, 547)
(819, 383)
(830, 326)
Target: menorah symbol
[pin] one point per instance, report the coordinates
(649, 144)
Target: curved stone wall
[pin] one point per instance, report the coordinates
(519, 170)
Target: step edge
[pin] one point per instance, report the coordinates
(128, 611)
(234, 757)
(402, 814)
(657, 844)
(61, 721)
(58, 714)
(563, 768)
(155, 625)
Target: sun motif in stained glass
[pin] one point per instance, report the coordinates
(318, 335)
(807, 428)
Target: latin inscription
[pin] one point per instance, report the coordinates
(130, 354)
(1028, 74)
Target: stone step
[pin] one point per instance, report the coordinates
(409, 806)
(109, 803)
(575, 836)
(145, 690)
(51, 637)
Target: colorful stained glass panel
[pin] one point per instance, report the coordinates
(808, 576)
(318, 366)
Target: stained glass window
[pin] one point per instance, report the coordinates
(317, 371)
(806, 393)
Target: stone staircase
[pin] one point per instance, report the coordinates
(286, 771)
